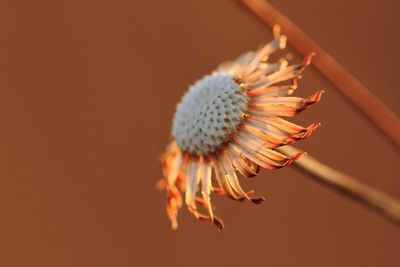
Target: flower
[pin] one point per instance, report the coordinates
(228, 122)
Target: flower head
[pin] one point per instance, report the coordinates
(228, 122)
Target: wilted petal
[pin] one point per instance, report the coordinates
(262, 55)
(206, 188)
(243, 165)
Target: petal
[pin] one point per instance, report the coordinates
(206, 188)
(174, 203)
(279, 123)
(256, 151)
(278, 90)
(267, 134)
(193, 173)
(264, 69)
(284, 74)
(243, 165)
(280, 129)
(283, 106)
(172, 163)
(230, 175)
(228, 179)
(262, 55)
(223, 183)
(176, 165)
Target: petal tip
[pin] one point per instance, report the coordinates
(308, 58)
(259, 200)
(219, 223)
(314, 126)
(174, 225)
(298, 155)
(276, 31)
(316, 97)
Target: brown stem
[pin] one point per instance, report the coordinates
(375, 110)
(367, 195)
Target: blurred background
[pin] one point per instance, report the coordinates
(87, 94)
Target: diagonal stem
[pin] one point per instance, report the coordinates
(374, 109)
(378, 201)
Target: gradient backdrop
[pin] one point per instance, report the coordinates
(87, 92)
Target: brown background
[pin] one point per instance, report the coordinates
(87, 92)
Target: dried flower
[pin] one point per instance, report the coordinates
(228, 122)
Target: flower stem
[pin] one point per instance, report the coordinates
(379, 201)
(374, 109)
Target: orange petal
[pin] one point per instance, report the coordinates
(206, 188)
(192, 174)
(244, 166)
(283, 106)
(262, 55)
(257, 152)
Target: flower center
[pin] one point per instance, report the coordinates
(208, 114)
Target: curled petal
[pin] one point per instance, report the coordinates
(217, 221)
(257, 152)
(284, 74)
(243, 165)
(206, 189)
(273, 91)
(263, 132)
(281, 129)
(263, 70)
(228, 190)
(230, 175)
(174, 203)
(262, 55)
(193, 177)
(304, 134)
(283, 106)
(279, 123)
(231, 178)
